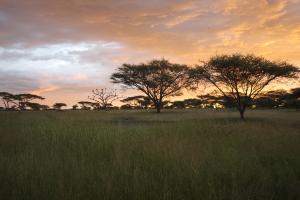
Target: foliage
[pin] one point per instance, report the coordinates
(137, 102)
(242, 77)
(157, 79)
(74, 107)
(87, 105)
(58, 106)
(19, 101)
(36, 106)
(7, 99)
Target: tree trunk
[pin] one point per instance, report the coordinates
(242, 112)
(158, 107)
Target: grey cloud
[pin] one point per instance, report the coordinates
(32, 33)
(16, 82)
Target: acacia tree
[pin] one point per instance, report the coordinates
(36, 106)
(22, 100)
(242, 77)
(139, 101)
(87, 105)
(58, 106)
(103, 98)
(7, 99)
(157, 79)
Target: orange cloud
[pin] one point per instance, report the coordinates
(47, 89)
(182, 31)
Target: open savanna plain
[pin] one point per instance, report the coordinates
(182, 154)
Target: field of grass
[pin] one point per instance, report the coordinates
(204, 154)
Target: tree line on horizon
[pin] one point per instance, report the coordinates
(239, 81)
(269, 99)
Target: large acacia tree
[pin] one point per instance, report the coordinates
(242, 77)
(157, 79)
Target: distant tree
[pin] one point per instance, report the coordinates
(292, 103)
(227, 101)
(242, 77)
(36, 106)
(157, 79)
(127, 107)
(22, 100)
(271, 99)
(139, 101)
(103, 98)
(293, 99)
(178, 104)
(58, 106)
(209, 100)
(7, 99)
(18, 101)
(192, 103)
(87, 105)
(295, 93)
(44, 107)
(74, 107)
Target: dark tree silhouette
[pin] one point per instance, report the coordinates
(22, 100)
(58, 106)
(127, 107)
(192, 103)
(103, 98)
(36, 106)
(74, 107)
(87, 105)
(7, 99)
(178, 105)
(293, 99)
(209, 100)
(242, 77)
(139, 101)
(158, 79)
(272, 99)
(295, 93)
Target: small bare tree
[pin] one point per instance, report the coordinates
(104, 97)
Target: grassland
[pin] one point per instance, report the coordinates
(204, 154)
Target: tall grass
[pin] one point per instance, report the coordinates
(142, 155)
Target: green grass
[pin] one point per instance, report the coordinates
(142, 155)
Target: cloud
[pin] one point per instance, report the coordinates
(43, 90)
(78, 44)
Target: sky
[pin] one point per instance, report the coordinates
(62, 49)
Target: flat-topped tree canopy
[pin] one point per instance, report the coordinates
(158, 79)
(58, 106)
(242, 77)
(20, 101)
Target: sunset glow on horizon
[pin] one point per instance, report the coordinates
(62, 50)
